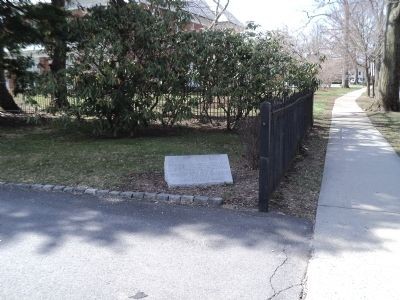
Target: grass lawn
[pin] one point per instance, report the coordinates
(44, 154)
(388, 123)
(323, 100)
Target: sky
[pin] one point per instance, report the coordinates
(270, 14)
(273, 14)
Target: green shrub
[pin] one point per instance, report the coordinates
(134, 65)
(124, 64)
(239, 71)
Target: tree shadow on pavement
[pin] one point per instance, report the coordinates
(107, 222)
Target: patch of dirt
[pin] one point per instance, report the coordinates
(369, 104)
(22, 119)
(298, 192)
(296, 195)
(242, 195)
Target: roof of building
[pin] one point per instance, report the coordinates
(75, 4)
(199, 8)
(232, 19)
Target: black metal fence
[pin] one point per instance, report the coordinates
(34, 104)
(284, 123)
(212, 108)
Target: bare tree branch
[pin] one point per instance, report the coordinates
(219, 11)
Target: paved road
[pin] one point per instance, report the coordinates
(357, 231)
(60, 246)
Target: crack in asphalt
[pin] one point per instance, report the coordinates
(277, 293)
(303, 293)
(284, 290)
(273, 275)
(304, 281)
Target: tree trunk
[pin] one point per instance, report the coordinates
(58, 66)
(389, 77)
(368, 76)
(373, 86)
(377, 68)
(368, 84)
(373, 71)
(356, 76)
(375, 76)
(345, 75)
(345, 78)
(6, 99)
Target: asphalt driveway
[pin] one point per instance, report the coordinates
(62, 246)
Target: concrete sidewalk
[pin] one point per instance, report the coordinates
(357, 231)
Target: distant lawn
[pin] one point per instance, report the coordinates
(388, 123)
(324, 99)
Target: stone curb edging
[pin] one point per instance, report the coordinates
(167, 198)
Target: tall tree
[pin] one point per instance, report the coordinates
(59, 55)
(337, 16)
(15, 32)
(315, 47)
(346, 32)
(389, 77)
(55, 37)
(367, 27)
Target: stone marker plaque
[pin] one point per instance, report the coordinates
(197, 170)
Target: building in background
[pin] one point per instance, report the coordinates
(358, 76)
(202, 14)
(202, 18)
(41, 61)
(41, 64)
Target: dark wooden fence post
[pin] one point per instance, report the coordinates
(264, 178)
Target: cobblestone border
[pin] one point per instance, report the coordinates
(163, 197)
